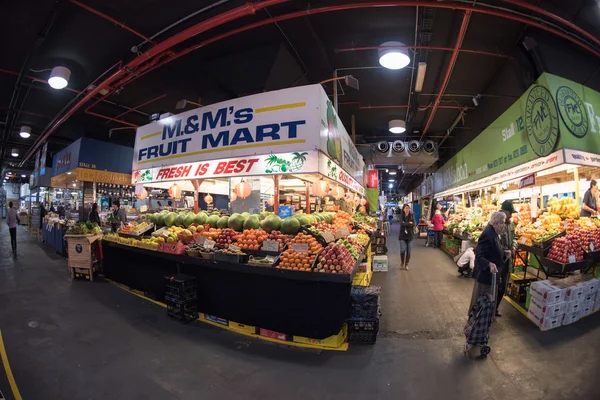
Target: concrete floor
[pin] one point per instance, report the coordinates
(80, 340)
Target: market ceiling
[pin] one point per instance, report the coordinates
(128, 60)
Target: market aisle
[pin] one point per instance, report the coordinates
(81, 340)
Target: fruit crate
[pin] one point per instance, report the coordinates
(560, 268)
(361, 330)
(548, 242)
(231, 258)
(182, 311)
(180, 288)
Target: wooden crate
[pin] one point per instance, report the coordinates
(80, 253)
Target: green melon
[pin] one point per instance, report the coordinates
(290, 226)
(271, 223)
(263, 215)
(222, 222)
(159, 220)
(252, 222)
(212, 221)
(236, 222)
(200, 218)
(179, 220)
(303, 219)
(170, 219)
(189, 219)
(215, 213)
(245, 214)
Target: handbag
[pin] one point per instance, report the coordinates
(415, 230)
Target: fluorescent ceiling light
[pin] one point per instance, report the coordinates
(421, 69)
(23, 175)
(393, 58)
(392, 180)
(14, 152)
(59, 77)
(25, 132)
(392, 172)
(391, 186)
(397, 126)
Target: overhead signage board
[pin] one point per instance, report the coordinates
(300, 119)
(373, 178)
(333, 171)
(582, 158)
(271, 164)
(527, 181)
(93, 154)
(554, 113)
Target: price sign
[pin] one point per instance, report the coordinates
(328, 236)
(300, 247)
(209, 244)
(234, 247)
(523, 240)
(200, 240)
(341, 232)
(270, 245)
(571, 258)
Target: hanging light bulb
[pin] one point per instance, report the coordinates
(142, 195)
(243, 189)
(59, 77)
(208, 199)
(232, 196)
(175, 191)
(338, 192)
(320, 188)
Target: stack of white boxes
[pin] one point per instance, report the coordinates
(564, 301)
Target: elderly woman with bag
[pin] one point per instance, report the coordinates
(407, 233)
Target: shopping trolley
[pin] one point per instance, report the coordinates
(481, 316)
(430, 239)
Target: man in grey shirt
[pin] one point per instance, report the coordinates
(12, 219)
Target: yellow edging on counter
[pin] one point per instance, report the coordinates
(246, 329)
(9, 374)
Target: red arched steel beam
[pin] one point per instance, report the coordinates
(164, 46)
(555, 17)
(486, 53)
(451, 63)
(251, 8)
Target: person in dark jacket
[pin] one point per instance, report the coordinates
(94, 216)
(407, 226)
(43, 213)
(489, 256)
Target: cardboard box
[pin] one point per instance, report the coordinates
(575, 292)
(597, 303)
(584, 311)
(588, 300)
(544, 310)
(545, 323)
(572, 307)
(380, 264)
(593, 285)
(570, 318)
(546, 292)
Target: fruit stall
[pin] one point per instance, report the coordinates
(286, 272)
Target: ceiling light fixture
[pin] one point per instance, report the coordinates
(59, 77)
(69, 173)
(392, 180)
(14, 152)
(391, 186)
(392, 172)
(421, 69)
(25, 132)
(23, 175)
(393, 55)
(397, 126)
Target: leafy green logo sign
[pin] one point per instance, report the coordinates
(572, 111)
(277, 165)
(541, 120)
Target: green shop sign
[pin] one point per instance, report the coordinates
(554, 113)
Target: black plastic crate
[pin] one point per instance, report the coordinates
(362, 330)
(182, 312)
(181, 288)
(364, 302)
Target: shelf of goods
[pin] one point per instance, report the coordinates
(53, 233)
(272, 276)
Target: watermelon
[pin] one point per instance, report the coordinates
(189, 219)
(290, 226)
(263, 215)
(271, 223)
(212, 221)
(216, 213)
(245, 214)
(200, 218)
(159, 220)
(222, 222)
(236, 222)
(252, 222)
(303, 219)
(234, 215)
(179, 220)
(170, 219)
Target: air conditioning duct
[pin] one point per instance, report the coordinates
(414, 146)
(398, 146)
(383, 147)
(429, 147)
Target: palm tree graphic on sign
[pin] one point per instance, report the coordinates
(332, 169)
(276, 164)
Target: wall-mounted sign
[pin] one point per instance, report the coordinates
(373, 178)
(527, 181)
(333, 171)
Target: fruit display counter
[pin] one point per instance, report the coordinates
(283, 280)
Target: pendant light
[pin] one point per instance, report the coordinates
(338, 192)
(243, 189)
(208, 199)
(232, 196)
(393, 55)
(25, 132)
(14, 152)
(175, 191)
(59, 77)
(320, 188)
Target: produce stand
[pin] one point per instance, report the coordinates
(53, 234)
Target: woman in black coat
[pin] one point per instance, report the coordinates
(407, 226)
(94, 216)
(489, 258)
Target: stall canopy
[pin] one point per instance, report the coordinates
(555, 121)
(89, 160)
(290, 131)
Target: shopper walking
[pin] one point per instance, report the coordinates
(438, 226)
(509, 245)
(489, 256)
(12, 220)
(407, 233)
(390, 214)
